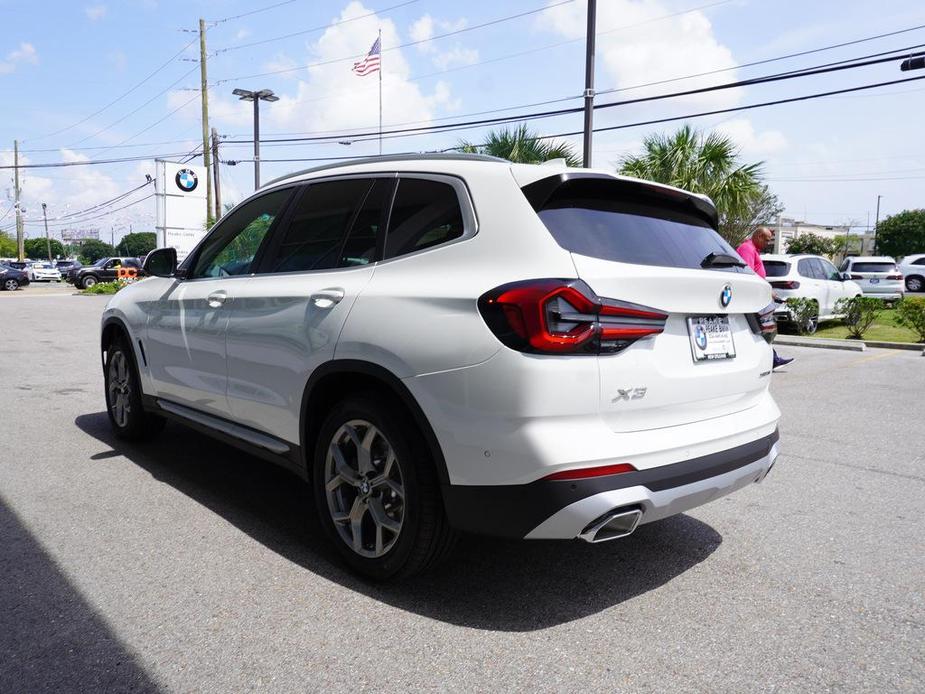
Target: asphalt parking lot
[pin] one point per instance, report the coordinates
(185, 565)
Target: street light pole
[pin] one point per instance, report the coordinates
(256, 97)
(589, 82)
(47, 237)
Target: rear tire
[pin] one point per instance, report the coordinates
(915, 284)
(376, 489)
(123, 396)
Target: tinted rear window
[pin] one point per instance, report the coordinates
(873, 267)
(585, 219)
(776, 268)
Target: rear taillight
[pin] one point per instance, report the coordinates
(556, 316)
(786, 284)
(894, 277)
(857, 277)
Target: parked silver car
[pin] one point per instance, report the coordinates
(878, 276)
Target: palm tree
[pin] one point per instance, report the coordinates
(707, 164)
(522, 146)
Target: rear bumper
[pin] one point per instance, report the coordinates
(564, 509)
(890, 291)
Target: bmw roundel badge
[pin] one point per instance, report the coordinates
(187, 180)
(725, 296)
(700, 336)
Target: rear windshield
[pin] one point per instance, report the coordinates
(873, 267)
(583, 220)
(776, 268)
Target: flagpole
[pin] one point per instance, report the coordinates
(380, 92)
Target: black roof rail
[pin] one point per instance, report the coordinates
(432, 156)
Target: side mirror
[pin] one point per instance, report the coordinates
(845, 276)
(161, 262)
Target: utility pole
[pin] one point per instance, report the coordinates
(47, 237)
(206, 158)
(589, 82)
(218, 184)
(877, 224)
(20, 240)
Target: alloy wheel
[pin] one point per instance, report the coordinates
(11, 285)
(120, 389)
(914, 284)
(364, 488)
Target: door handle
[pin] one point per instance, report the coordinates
(327, 298)
(217, 299)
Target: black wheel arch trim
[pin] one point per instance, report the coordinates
(349, 367)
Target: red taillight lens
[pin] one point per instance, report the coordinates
(786, 284)
(894, 277)
(565, 317)
(857, 277)
(586, 472)
(763, 322)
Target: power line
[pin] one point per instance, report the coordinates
(118, 98)
(215, 22)
(106, 203)
(131, 113)
(765, 60)
(93, 162)
(474, 27)
(358, 137)
(313, 29)
(99, 216)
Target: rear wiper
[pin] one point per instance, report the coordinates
(721, 260)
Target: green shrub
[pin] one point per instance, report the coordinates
(860, 312)
(104, 288)
(910, 313)
(804, 313)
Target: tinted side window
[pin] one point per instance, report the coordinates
(231, 248)
(365, 237)
(829, 270)
(920, 261)
(424, 214)
(315, 233)
(819, 270)
(805, 268)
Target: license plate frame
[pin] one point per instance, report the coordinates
(714, 342)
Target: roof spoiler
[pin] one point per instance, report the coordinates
(540, 192)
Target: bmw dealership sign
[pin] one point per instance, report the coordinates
(181, 206)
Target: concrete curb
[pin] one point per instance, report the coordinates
(821, 342)
(894, 345)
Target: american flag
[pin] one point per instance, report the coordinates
(371, 62)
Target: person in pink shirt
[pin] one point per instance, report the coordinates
(750, 250)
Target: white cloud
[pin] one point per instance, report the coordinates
(95, 12)
(456, 56)
(242, 34)
(424, 29)
(753, 144)
(329, 96)
(647, 46)
(26, 53)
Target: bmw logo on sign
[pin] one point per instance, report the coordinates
(700, 336)
(725, 297)
(187, 180)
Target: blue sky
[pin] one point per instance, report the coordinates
(828, 159)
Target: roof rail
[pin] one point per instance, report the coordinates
(392, 157)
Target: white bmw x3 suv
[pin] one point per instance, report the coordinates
(457, 343)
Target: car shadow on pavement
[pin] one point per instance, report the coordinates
(485, 584)
(50, 638)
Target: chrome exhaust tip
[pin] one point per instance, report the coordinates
(612, 525)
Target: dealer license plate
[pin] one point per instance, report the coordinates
(711, 337)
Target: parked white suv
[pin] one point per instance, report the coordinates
(809, 277)
(444, 343)
(877, 276)
(912, 268)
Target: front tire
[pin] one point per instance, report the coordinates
(123, 396)
(88, 282)
(11, 285)
(376, 490)
(914, 284)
